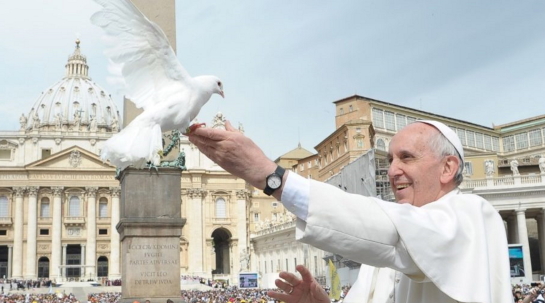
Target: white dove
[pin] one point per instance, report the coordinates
(155, 81)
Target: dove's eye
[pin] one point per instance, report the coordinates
(219, 83)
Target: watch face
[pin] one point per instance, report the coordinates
(274, 181)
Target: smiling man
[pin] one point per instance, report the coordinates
(441, 245)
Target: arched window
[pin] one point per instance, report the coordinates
(4, 211)
(221, 210)
(102, 267)
(43, 267)
(74, 207)
(103, 208)
(381, 145)
(44, 208)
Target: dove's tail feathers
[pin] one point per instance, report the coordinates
(135, 145)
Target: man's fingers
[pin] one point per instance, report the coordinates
(305, 274)
(289, 278)
(210, 133)
(286, 287)
(229, 126)
(279, 296)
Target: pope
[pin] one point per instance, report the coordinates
(434, 245)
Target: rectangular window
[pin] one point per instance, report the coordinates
(521, 140)
(3, 232)
(103, 209)
(462, 135)
(390, 121)
(479, 140)
(5, 154)
(103, 231)
(275, 204)
(221, 208)
(4, 211)
(73, 207)
(487, 142)
(44, 210)
(470, 137)
(535, 137)
(401, 121)
(508, 144)
(496, 144)
(410, 120)
(46, 153)
(44, 232)
(287, 268)
(265, 265)
(378, 119)
(256, 217)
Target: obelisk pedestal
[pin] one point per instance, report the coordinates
(150, 227)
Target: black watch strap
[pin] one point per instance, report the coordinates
(279, 172)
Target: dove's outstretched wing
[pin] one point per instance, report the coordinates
(150, 67)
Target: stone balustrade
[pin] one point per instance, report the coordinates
(504, 182)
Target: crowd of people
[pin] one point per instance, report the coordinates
(13, 284)
(529, 293)
(38, 298)
(522, 293)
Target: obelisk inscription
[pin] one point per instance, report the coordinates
(152, 262)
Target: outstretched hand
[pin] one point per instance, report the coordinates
(234, 152)
(295, 290)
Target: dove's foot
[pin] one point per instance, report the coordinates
(151, 165)
(193, 127)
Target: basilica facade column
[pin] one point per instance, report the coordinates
(83, 268)
(17, 270)
(10, 260)
(541, 235)
(523, 239)
(64, 261)
(56, 234)
(32, 227)
(243, 251)
(196, 237)
(512, 230)
(114, 268)
(90, 259)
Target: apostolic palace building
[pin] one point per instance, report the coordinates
(60, 203)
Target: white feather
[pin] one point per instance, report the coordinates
(154, 80)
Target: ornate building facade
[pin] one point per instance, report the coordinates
(59, 203)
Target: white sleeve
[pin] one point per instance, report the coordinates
(295, 195)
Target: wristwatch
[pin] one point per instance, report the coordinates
(274, 180)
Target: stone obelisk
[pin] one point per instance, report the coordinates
(150, 223)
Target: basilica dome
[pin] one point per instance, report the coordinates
(75, 103)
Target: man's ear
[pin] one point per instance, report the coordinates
(450, 167)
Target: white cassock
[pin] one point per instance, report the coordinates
(451, 250)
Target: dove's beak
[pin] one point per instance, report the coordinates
(222, 95)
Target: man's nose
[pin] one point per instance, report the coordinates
(394, 169)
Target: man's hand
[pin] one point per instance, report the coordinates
(234, 152)
(296, 290)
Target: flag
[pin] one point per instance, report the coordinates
(335, 291)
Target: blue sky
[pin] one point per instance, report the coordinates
(283, 63)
